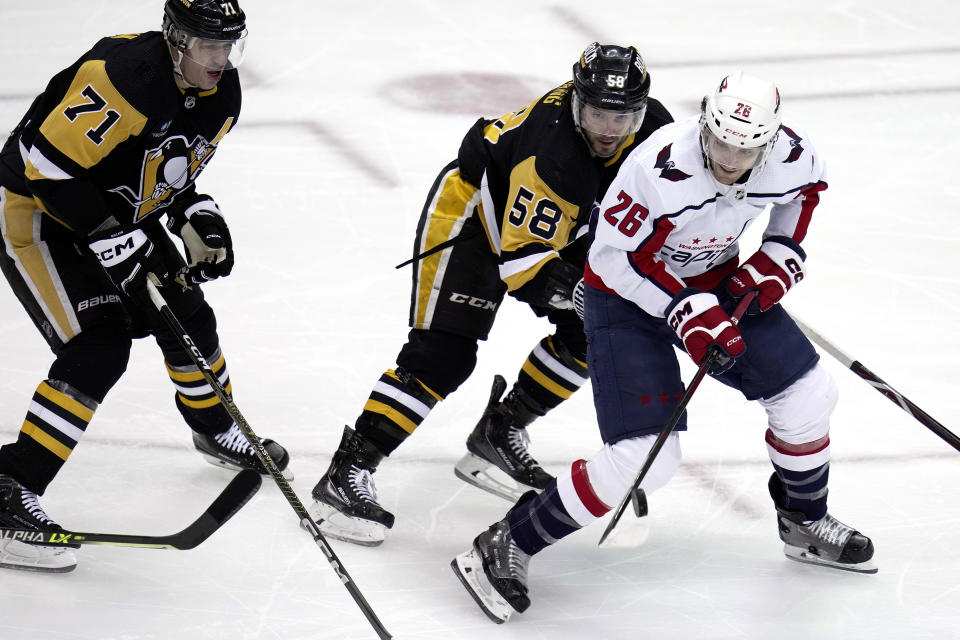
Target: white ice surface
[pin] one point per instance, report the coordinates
(350, 110)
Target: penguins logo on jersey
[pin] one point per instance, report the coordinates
(170, 167)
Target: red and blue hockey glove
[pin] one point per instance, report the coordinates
(703, 326)
(771, 271)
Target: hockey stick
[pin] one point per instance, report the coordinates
(243, 487)
(671, 424)
(877, 383)
(306, 522)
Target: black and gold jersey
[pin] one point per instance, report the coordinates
(538, 180)
(113, 136)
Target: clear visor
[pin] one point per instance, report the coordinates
(727, 155)
(216, 54)
(604, 122)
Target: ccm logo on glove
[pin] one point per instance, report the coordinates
(119, 246)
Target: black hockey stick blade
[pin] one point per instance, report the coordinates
(236, 494)
(639, 501)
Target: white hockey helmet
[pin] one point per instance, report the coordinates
(744, 112)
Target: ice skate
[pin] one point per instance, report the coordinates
(497, 458)
(826, 542)
(19, 509)
(231, 449)
(494, 572)
(345, 500)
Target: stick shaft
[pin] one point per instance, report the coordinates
(877, 383)
(305, 520)
(671, 424)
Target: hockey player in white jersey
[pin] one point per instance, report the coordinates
(664, 272)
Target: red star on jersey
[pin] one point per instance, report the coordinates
(696, 241)
(664, 398)
(644, 400)
(729, 238)
(713, 240)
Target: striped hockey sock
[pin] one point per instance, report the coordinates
(196, 399)
(803, 471)
(397, 405)
(568, 504)
(56, 420)
(551, 375)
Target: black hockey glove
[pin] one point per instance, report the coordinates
(206, 241)
(127, 255)
(552, 287)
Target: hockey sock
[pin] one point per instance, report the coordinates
(397, 405)
(804, 491)
(56, 420)
(801, 474)
(196, 399)
(567, 504)
(551, 374)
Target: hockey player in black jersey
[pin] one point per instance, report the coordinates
(114, 143)
(509, 215)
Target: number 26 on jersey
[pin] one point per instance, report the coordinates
(626, 215)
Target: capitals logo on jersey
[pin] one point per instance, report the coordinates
(169, 167)
(796, 149)
(668, 168)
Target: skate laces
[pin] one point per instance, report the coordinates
(519, 441)
(29, 501)
(233, 440)
(831, 530)
(519, 562)
(361, 481)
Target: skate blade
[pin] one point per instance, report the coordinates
(800, 554)
(338, 526)
(27, 557)
(217, 462)
(489, 477)
(469, 570)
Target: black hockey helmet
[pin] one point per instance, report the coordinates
(207, 19)
(608, 76)
(610, 89)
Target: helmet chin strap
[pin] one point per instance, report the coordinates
(178, 72)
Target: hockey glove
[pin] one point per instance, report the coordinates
(127, 255)
(578, 298)
(553, 286)
(703, 326)
(206, 241)
(771, 271)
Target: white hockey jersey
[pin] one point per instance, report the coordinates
(666, 224)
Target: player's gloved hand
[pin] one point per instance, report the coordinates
(127, 255)
(560, 277)
(206, 241)
(704, 326)
(578, 298)
(771, 271)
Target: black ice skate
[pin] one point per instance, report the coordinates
(230, 449)
(494, 572)
(497, 459)
(345, 500)
(826, 542)
(19, 509)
